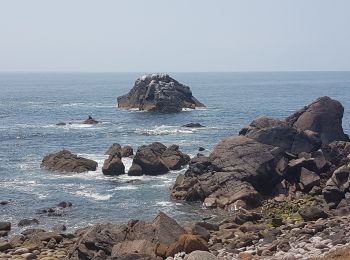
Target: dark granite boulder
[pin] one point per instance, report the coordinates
(65, 161)
(158, 92)
(113, 165)
(323, 116)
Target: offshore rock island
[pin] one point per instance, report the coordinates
(158, 92)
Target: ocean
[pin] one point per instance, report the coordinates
(32, 103)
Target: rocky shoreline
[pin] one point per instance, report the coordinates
(281, 187)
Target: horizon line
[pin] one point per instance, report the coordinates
(149, 72)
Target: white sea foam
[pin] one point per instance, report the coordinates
(127, 163)
(165, 203)
(164, 130)
(128, 187)
(93, 195)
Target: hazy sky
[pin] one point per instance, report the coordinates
(174, 35)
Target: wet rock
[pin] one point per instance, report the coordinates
(323, 116)
(126, 151)
(4, 233)
(114, 149)
(90, 121)
(61, 124)
(5, 226)
(4, 202)
(135, 170)
(148, 157)
(193, 125)
(201, 149)
(158, 92)
(64, 204)
(312, 213)
(28, 222)
(173, 158)
(113, 165)
(65, 161)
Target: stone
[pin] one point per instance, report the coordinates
(158, 92)
(278, 133)
(64, 204)
(4, 233)
(148, 157)
(28, 222)
(200, 231)
(5, 226)
(173, 158)
(192, 243)
(141, 247)
(65, 161)
(135, 170)
(114, 149)
(201, 255)
(193, 125)
(126, 151)
(323, 116)
(61, 124)
(113, 165)
(337, 152)
(312, 213)
(320, 159)
(90, 121)
(4, 246)
(308, 179)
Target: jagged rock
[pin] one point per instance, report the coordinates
(148, 157)
(158, 92)
(90, 121)
(312, 213)
(173, 158)
(126, 151)
(116, 148)
(28, 222)
(278, 133)
(126, 238)
(308, 179)
(239, 168)
(5, 226)
(193, 125)
(135, 170)
(113, 165)
(337, 152)
(323, 116)
(65, 161)
(337, 185)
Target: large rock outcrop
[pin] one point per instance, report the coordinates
(274, 158)
(323, 116)
(158, 92)
(157, 159)
(65, 161)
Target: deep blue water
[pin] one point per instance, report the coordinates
(31, 105)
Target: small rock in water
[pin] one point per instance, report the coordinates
(64, 204)
(5, 226)
(201, 149)
(61, 124)
(193, 125)
(90, 121)
(28, 222)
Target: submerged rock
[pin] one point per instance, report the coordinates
(158, 92)
(193, 125)
(65, 161)
(90, 121)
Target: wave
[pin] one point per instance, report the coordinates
(164, 130)
(94, 195)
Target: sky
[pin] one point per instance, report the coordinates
(174, 35)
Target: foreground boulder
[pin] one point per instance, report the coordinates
(239, 168)
(65, 161)
(136, 239)
(157, 159)
(158, 92)
(323, 116)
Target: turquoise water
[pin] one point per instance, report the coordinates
(31, 105)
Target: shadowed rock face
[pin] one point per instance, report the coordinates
(158, 92)
(323, 116)
(272, 157)
(65, 161)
